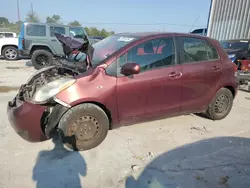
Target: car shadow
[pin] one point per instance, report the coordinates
(59, 167)
(221, 162)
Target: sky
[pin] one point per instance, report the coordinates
(118, 15)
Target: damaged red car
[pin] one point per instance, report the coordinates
(132, 77)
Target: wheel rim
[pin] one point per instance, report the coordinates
(86, 130)
(11, 54)
(42, 60)
(222, 104)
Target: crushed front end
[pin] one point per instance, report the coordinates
(32, 119)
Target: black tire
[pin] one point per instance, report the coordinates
(221, 105)
(10, 53)
(83, 127)
(41, 59)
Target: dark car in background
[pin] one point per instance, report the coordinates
(132, 77)
(237, 49)
(96, 37)
(239, 53)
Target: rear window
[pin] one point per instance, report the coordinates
(36, 30)
(9, 35)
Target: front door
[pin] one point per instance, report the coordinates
(201, 73)
(54, 43)
(157, 88)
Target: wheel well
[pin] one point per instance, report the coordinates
(231, 89)
(8, 46)
(34, 48)
(105, 109)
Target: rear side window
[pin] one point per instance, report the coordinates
(197, 50)
(60, 30)
(36, 30)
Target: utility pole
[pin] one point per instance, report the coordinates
(18, 12)
(32, 11)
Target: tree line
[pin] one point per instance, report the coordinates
(56, 19)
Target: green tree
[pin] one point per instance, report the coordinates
(54, 19)
(74, 23)
(32, 17)
(4, 21)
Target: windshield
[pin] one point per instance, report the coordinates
(77, 32)
(108, 46)
(234, 45)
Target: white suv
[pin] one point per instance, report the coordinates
(9, 45)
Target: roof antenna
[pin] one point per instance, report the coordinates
(194, 23)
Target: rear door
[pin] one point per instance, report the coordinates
(201, 73)
(35, 34)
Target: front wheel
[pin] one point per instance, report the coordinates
(41, 58)
(221, 105)
(83, 127)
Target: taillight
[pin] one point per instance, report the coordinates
(23, 42)
(235, 70)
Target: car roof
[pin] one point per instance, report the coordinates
(151, 34)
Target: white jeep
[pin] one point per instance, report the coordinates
(9, 46)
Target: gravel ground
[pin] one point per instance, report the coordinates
(186, 151)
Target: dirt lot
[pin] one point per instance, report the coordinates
(187, 151)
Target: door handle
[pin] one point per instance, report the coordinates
(53, 40)
(175, 75)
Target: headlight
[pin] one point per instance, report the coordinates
(231, 56)
(49, 90)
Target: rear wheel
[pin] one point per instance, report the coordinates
(221, 105)
(83, 127)
(41, 59)
(10, 53)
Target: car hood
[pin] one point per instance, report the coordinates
(231, 51)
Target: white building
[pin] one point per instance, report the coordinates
(229, 19)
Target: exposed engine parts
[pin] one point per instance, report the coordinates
(43, 77)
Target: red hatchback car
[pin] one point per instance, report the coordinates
(133, 77)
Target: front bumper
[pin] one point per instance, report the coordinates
(25, 118)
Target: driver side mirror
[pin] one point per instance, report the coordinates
(130, 69)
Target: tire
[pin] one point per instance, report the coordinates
(216, 112)
(10, 53)
(41, 59)
(83, 127)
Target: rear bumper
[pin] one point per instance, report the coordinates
(24, 53)
(25, 119)
(243, 76)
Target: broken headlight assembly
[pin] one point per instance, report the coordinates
(49, 90)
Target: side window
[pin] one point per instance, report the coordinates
(36, 30)
(53, 30)
(9, 35)
(212, 52)
(151, 54)
(197, 50)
